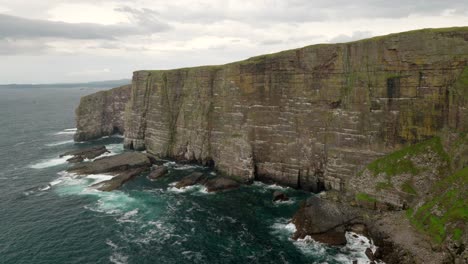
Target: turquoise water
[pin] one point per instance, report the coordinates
(48, 216)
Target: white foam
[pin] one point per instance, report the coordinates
(353, 251)
(45, 188)
(195, 188)
(65, 133)
(50, 162)
(283, 228)
(186, 167)
(70, 129)
(170, 164)
(269, 186)
(99, 178)
(59, 143)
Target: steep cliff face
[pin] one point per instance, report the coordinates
(310, 118)
(101, 114)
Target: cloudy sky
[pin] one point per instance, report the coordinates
(44, 41)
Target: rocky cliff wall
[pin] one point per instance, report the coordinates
(311, 117)
(101, 114)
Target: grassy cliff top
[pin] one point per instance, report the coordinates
(260, 58)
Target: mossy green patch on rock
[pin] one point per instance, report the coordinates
(365, 197)
(447, 207)
(399, 162)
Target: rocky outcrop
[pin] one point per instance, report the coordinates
(325, 221)
(123, 167)
(309, 118)
(113, 164)
(101, 114)
(80, 155)
(158, 172)
(218, 184)
(192, 179)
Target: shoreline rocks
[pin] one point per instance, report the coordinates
(192, 179)
(80, 155)
(220, 184)
(324, 221)
(158, 172)
(124, 166)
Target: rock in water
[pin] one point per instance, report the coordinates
(192, 179)
(324, 221)
(119, 180)
(124, 166)
(113, 164)
(220, 184)
(279, 196)
(87, 153)
(158, 172)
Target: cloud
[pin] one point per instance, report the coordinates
(89, 72)
(356, 35)
(23, 28)
(13, 46)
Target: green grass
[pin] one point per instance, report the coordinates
(407, 187)
(399, 162)
(448, 206)
(365, 197)
(384, 186)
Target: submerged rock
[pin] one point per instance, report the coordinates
(279, 196)
(220, 184)
(324, 221)
(192, 179)
(158, 172)
(86, 153)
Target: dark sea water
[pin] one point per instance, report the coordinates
(47, 216)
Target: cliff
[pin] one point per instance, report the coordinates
(101, 114)
(380, 123)
(310, 118)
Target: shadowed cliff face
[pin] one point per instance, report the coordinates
(309, 118)
(101, 114)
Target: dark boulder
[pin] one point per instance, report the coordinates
(192, 179)
(370, 254)
(220, 184)
(279, 196)
(324, 221)
(86, 153)
(158, 172)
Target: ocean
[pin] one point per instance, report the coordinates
(49, 216)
